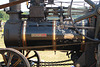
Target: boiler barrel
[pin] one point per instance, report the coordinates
(29, 33)
(34, 34)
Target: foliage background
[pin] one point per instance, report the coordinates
(4, 15)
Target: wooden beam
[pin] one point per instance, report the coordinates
(12, 3)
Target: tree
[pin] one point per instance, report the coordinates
(4, 15)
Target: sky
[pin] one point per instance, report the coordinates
(24, 8)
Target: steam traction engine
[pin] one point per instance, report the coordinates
(51, 28)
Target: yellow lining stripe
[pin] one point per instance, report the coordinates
(24, 34)
(54, 36)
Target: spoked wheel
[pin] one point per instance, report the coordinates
(13, 58)
(94, 13)
(33, 57)
(90, 60)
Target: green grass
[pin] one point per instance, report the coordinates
(44, 55)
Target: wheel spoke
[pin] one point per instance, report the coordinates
(27, 53)
(35, 55)
(4, 58)
(31, 57)
(91, 3)
(97, 29)
(10, 58)
(85, 16)
(38, 61)
(14, 58)
(16, 63)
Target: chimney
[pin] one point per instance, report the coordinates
(14, 12)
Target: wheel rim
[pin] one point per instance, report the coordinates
(95, 12)
(13, 58)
